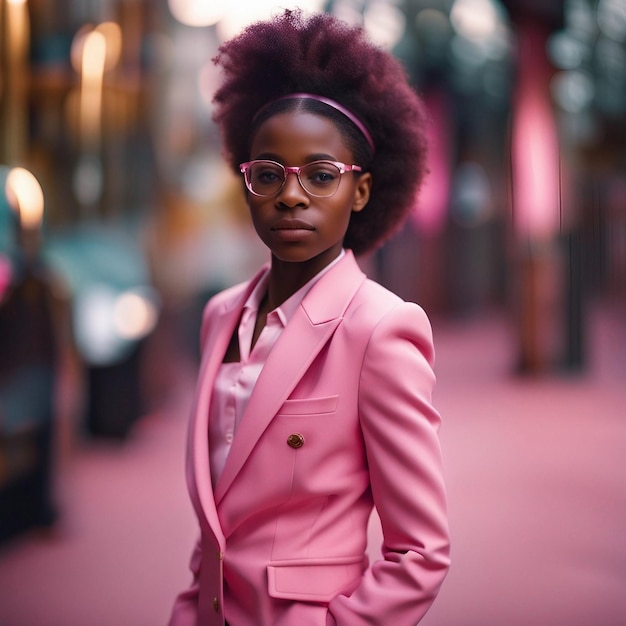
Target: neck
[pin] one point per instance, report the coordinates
(287, 277)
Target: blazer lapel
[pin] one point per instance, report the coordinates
(215, 341)
(305, 335)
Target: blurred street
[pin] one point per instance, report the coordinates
(119, 218)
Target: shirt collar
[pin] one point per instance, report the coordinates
(287, 309)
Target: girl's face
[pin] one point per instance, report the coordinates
(294, 225)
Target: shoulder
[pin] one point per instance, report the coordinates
(227, 296)
(220, 303)
(229, 299)
(373, 302)
(380, 316)
(231, 296)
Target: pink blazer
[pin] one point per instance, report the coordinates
(340, 420)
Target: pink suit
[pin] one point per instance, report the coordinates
(340, 419)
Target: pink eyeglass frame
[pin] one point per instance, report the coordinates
(342, 167)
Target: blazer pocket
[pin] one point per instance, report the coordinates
(309, 406)
(314, 580)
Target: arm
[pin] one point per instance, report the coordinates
(399, 427)
(185, 610)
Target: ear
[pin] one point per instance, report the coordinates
(362, 192)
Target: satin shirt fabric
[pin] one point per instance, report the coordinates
(283, 535)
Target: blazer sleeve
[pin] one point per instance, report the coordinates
(399, 426)
(185, 610)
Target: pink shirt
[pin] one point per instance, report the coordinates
(235, 381)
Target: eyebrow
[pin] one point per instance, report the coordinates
(270, 156)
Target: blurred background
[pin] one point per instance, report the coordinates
(118, 219)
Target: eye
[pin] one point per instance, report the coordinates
(266, 174)
(321, 174)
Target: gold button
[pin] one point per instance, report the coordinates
(296, 440)
(216, 605)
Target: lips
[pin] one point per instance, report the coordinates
(292, 224)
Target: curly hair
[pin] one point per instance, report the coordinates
(324, 56)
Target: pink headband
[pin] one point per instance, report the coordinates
(331, 103)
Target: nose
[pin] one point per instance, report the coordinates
(292, 194)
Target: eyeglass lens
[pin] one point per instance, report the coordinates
(320, 178)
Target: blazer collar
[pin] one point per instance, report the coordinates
(316, 319)
(331, 295)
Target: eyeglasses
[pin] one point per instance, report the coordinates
(318, 178)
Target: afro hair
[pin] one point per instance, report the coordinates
(324, 56)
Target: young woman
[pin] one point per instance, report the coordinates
(314, 395)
